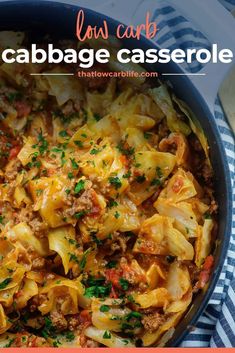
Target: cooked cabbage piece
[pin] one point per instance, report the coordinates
(107, 213)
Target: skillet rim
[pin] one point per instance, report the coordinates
(182, 329)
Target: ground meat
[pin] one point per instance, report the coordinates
(25, 214)
(38, 263)
(58, 321)
(28, 340)
(195, 143)
(86, 342)
(95, 83)
(91, 344)
(177, 144)
(163, 130)
(118, 242)
(83, 203)
(86, 199)
(153, 321)
(34, 322)
(193, 271)
(12, 169)
(213, 207)
(36, 301)
(73, 322)
(132, 274)
(35, 341)
(50, 276)
(4, 152)
(148, 204)
(38, 226)
(207, 173)
(68, 108)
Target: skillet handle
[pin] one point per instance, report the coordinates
(218, 25)
(209, 16)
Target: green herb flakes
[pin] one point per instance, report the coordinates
(116, 182)
(79, 186)
(107, 335)
(104, 308)
(124, 283)
(5, 283)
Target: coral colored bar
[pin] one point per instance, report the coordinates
(123, 350)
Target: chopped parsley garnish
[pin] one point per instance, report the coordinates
(1, 219)
(80, 214)
(131, 299)
(133, 315)
(84, 115)
(48, 328)
(127, 175)
(67, 191)
(63, 161)
(117, 214)
(104, 308)
(63, 133)
(79, 186)
(140, 179)
(70, 175)
(111, 264)
(96, 240)
(97, 117)
(159, 172)
(94, 151)
(74, 163)
(43, 144)
(98, 291)
(137, 165)
(34, 162)
(112, 203)
(170, 259)
(107, 335)
(130, 234)
(5, 283)
(126, 150)
(9, 343)
(147, 135)
(155, 182)
(39, 192)
(93, 281)
(207, 215)
(73, 258)
(126, 342)
(73, 242)
(56, 150)
(132, 321)
(78, 143)
(124, 283)
(116, 182)
(83, 261)
(14, 96)
(69, 336)
(56, 343)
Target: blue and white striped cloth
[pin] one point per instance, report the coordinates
(216, 327)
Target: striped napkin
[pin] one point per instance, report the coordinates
(216, 327)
